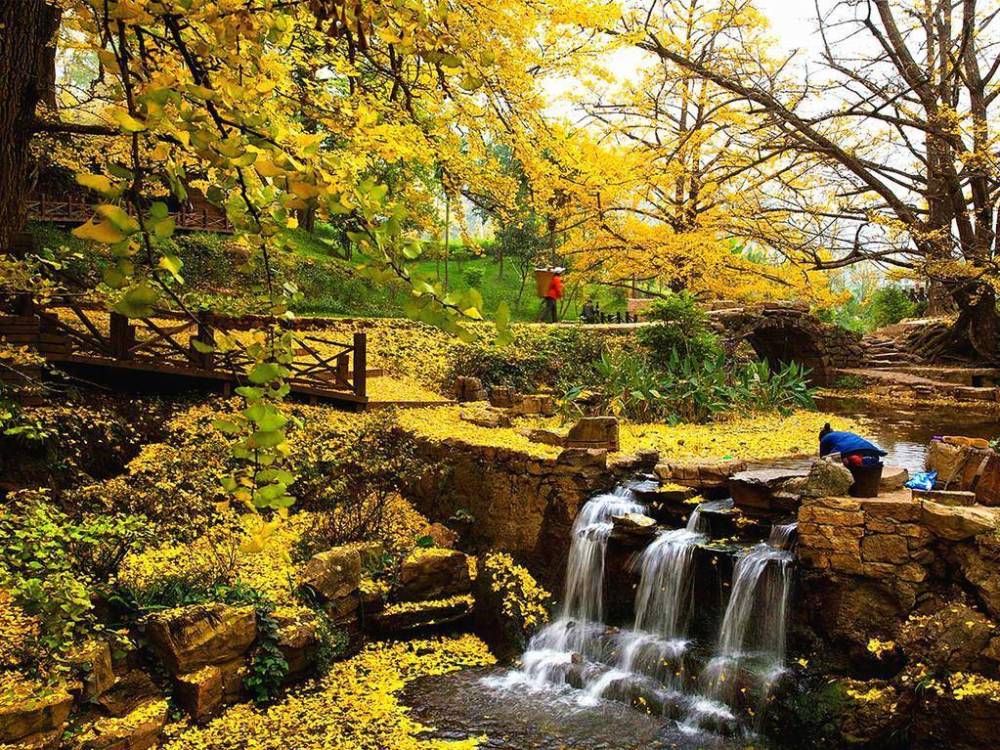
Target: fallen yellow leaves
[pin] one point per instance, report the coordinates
(757, 437)
(353, 707)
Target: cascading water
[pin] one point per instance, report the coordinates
(577, 633)
(585, 568)
(648, 663)
(750, 651)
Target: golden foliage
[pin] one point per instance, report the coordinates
(353, 707)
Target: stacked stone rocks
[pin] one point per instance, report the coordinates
(879, 538)
(435, 587)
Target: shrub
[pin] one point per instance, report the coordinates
(687, 389)
(888, 305)
(50, 563)
(538, 358)
(761, 388)
(352, 478)
(473, 276)
(679, 327)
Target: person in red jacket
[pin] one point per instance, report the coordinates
(550, 308)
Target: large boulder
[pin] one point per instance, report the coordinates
(979, 563)
(36, 715)
(334, 574)
(536, 404)
(945, 459)
(92, 662)
(953, 639)
(137, 730)
(484, 415)
(133, 689)
(434, 573)
(827, 479)
(870, 712)
(298, 640)
(956, 523)
(594, 432)
(188, 638)
(234, 674)
(200, 692)
(958, 723)
(469, 389)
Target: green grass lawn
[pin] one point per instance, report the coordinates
(336, 295)
(497, 287)
(330, 285)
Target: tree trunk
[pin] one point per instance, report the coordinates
(978, 323)
(27, 28)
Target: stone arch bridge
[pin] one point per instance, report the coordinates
(782, 332)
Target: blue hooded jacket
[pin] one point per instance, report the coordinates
(846, 443)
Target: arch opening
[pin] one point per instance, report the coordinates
(782, 343)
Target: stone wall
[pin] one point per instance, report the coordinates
(868, 563)
(899, 598)
(789, 332)
(521, 504)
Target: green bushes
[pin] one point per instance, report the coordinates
(883, 306)
(890, 304)
(682, 374)
(688, 389)
(50, 563)
(473, 276)
(679, 327)
(539, 357)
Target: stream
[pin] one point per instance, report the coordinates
(655, 682)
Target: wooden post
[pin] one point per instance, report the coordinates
(206, 335)
(122, 336)
(343, 369)
(360, 364)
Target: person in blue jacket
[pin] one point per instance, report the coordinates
(854, 450)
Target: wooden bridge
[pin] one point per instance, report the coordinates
(111, 346)
(73, 210)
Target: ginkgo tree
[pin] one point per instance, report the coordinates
(663, 181)
(900, 131)
(275, 109)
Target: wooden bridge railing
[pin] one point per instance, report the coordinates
(166, 342)
(69, 209)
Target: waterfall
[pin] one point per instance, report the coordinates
(649, 661)
(585, 567)
(665, 595)
(577, 634)
(782, 535)
(750, 650)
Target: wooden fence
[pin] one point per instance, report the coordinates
(166, 343)
(69, 209)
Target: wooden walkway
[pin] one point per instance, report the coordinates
(73, 210)
(166, 345)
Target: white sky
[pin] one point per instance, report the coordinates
(793, 23)
(793, 27)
